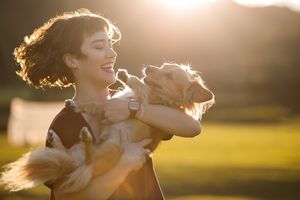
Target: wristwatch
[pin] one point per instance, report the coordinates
(133, 105)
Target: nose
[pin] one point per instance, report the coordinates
(111, 53)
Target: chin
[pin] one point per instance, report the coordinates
(109, 81)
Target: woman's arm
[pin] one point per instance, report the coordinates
(102, 187)
(169, 120)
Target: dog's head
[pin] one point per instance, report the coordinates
(177, 86)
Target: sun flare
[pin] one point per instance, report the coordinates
(182, 4)
(187, 4)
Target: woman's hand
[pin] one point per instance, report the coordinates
(115, 110)
(102, 187)
(133, 156)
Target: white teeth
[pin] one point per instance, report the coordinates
(107, 66)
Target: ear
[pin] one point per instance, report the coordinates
(122, 75)
(70, 60)
(199, 93)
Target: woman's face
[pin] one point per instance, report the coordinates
(97, 65)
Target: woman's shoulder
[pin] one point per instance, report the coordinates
(67, 125)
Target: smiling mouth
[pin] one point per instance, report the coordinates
(108, 67)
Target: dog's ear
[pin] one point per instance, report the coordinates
(198, 93)
(122, 75)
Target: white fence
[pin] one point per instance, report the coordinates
(29, 121)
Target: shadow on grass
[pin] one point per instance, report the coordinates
(220, 183)
(250, 183)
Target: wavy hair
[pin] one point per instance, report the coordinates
(40, 54)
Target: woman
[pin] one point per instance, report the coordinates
(75, 49)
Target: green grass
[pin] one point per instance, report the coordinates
(226, 161)
(233, 161)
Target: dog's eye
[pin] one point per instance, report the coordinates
(169, 76)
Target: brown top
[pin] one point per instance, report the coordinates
(142, 185)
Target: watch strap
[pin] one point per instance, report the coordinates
(134, 106)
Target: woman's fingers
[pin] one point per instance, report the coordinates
(135, 153)
(147, 151)
(124, 137)
(145, 142)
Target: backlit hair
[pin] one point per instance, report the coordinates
(40, 56)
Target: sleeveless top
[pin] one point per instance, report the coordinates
(141, 185)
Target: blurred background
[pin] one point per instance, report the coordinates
(247, 51)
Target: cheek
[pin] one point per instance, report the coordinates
(94, 55)
(98, 54)
(96, 58)
(89, 67)
(93, 61)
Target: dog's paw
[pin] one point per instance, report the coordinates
(85, 135)
(50, 136)
(122, 75)
(54, 140)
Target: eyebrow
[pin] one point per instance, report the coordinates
(101, 40)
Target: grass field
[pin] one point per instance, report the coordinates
(226, 161)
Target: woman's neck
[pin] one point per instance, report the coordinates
(90, 94)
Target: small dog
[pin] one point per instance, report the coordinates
(171, 85)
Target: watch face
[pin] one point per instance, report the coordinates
(134, 105)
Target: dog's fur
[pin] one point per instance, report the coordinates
(171, 84)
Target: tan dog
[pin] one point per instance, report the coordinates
(171, 84)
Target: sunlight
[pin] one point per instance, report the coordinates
(189, 4)
(292, 4)
(182, 4)
(257, 2)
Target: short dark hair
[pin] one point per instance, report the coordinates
(40, 56)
